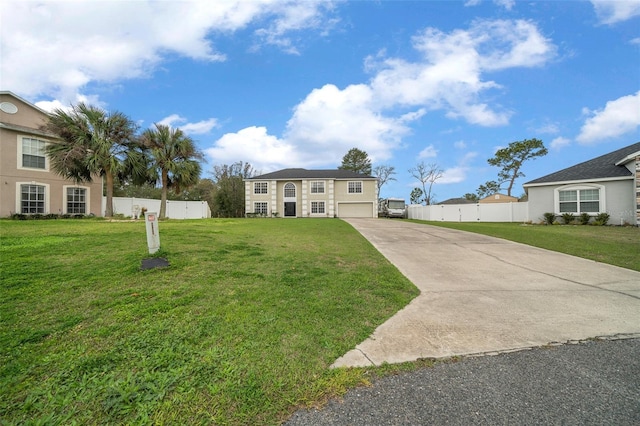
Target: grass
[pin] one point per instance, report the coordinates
(614, 245)
(240, 329)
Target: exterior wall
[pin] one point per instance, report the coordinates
(25, 123)
(498, 198)
(637, 188)
(617, 200)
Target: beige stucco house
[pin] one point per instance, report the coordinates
(312, 193)
(27, 182)
(498, 198)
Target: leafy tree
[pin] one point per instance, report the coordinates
(471, 197)
(384, 175)
(489, 188)
(175, 161)
(94, 142)
(416, 196)
(229, 196)
(427, 174)
(511, 159)
(357, 161)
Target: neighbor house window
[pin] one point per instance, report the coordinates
(260, 188)
(260, 208)
(76, 200)
(317, 187)
(355, 187)
(579, 200)
(33, 154)
(317, 207)
(289, 190)
(32, 199)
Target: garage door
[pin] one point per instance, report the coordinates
(355, 210)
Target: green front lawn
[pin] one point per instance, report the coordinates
(615, 245)
(240, 329)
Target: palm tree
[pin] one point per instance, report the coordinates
(174, 160)
(93, 142)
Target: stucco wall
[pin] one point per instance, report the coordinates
(618, 201)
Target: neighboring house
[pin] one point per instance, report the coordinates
(607, 184)
(498, 198)
(312, 193)
(456, 201)
(27, 182)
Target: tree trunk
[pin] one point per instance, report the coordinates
(109, 207)
(163, 197)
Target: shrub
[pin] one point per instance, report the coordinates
(584, 218)
(19, 216)
(567, 218)
(549, 218)
(601, 219)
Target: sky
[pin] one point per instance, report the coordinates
(282, 84)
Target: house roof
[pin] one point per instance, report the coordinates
(456, 201)
(603, 167)
(293, 174)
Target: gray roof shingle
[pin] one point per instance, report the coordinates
(294, 174)
(598, 168)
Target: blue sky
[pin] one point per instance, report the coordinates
(298, 83)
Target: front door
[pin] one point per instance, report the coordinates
(289, 209)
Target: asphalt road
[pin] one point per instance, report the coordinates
(595, 382)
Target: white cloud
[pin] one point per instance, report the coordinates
(106, 42)
(548, 128)
(619, 117)
(635, 40)
(613, 11)
(458, 173)
(198, 128)
(428, 152)
(376, 116)
(560, 142)
(507, 4)
(450, 77)
(460, 145)
(255, 146)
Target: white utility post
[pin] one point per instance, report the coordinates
(153, 232)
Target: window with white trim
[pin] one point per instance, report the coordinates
(33, 153)
(260, 188)
(32, 199)
(579, 200)
(317, 187)
(355, 187)
(261, 208)
(289, 190)
(317, 207)
(76, 200)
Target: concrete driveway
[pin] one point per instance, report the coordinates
(481, 294)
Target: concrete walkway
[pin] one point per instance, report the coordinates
(481, 295)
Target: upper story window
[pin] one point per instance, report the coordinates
(260, 188)
(289, 190)
(317, 187)
(355, 187)
(580, 200)
(33, 153)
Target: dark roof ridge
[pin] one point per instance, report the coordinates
(602, 167)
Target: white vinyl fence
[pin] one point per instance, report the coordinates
(498, 212)
(175, 209)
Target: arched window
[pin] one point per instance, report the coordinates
(289, 190)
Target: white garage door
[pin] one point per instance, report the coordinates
(355, 210)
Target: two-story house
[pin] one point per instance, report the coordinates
(312, 193)
(27, 183)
